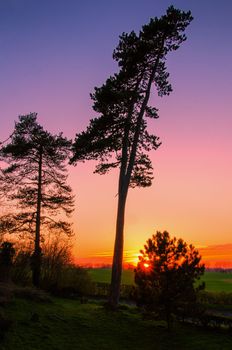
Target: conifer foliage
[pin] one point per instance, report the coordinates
(166, 274)
(34, 179)
(119, 136)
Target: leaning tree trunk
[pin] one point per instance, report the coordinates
(36, 263)
(127, 165)
(118, 251)
(119, 236)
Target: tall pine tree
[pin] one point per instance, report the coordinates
(35, 181)
(119, 136)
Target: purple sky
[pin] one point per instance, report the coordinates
(53, 53)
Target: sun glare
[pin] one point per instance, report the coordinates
(145, 265)
(131, 257)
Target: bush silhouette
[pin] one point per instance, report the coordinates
(165, 275)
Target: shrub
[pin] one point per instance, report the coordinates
(7, 253)
(31, 293)
(6, 294)
(21, 271)
(5, 325)
(215, 298)
(74, 281)
(56, 256)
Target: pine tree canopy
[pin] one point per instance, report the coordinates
(119, 135)
(29, 146)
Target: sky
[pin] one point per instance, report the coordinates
(52, 55)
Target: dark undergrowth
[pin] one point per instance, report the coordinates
(40, 324)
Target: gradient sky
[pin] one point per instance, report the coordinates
(53, 53)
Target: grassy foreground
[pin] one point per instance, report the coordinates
(215, 281)
(67, 324)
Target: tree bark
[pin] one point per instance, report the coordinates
(36, 262)
(118, 250)
(127, 164)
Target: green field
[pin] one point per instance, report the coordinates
(67, 324)
(215, 281)
(218, 281)
(104, 275)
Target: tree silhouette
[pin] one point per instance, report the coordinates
(166, 273)
(119, 136)
(35, 180)
(7, 253)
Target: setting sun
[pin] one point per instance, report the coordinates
(146, 265)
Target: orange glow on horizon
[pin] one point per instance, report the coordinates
(212, 256)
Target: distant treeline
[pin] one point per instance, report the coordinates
(218, 269)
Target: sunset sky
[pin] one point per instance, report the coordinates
(52, 55)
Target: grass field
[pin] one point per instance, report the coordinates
(218, 281)
(215, 281)
(104, 275)
(67, 324)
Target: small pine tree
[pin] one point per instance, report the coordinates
(166, 273)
